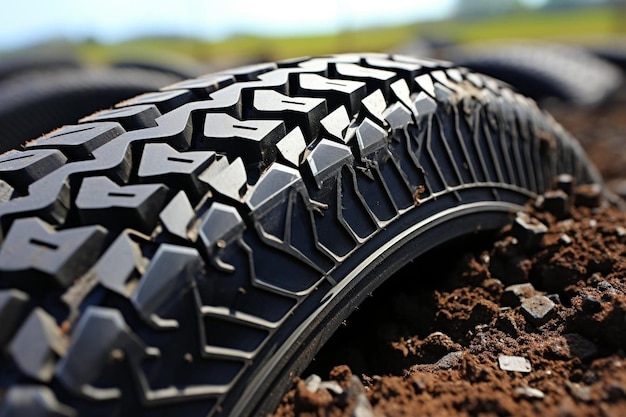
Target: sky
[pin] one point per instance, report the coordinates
(27, 22)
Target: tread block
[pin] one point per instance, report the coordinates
(79, 141)
(202, 86)
(101, 201)
(375, 78)
(250, 72)
(162, 163)
(455, 75)
(6, 192)
(273, 187)
(22, 168)
(327, 159)
(398, 116)
(442, 78)
(220, 225)
(475, 79)
(13, 311)
(426, 63)
(374, 105)
(253, 140)
(131, 118)
(408, 70)
(231, 340)
(120, 264)
(336, 92)
(402, 93)
(177, 215)
(37, 344)
(332, 232)
(424, 105)
(230, 180)
(165, 101)
(370, 138)
(425, 82)
(99, 332)
(33, 401)
(336, 124)
(35, 256)
(161, 287)
(304, 112)
(292, 146)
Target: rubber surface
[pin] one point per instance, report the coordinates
(189, 251)
(37, 102)
(544, 71)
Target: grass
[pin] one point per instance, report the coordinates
(569, 26)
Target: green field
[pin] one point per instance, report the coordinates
(577, 26)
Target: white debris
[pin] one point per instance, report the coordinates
(514, 363)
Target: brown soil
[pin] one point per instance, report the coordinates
(533, 324)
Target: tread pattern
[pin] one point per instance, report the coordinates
(177, 235)
(544, 70)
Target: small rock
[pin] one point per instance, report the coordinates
(620, 231)
(514, 363)
(605, 286)
(555, 298)
(513, 295)
(591, 305)
(616, 391)
(312, 382)
(449, 360)
(588, 195)
(565, 183)
(572, 345)
(557, 203)
(565, 240)
(332, 386)
(538, 309)
(362, 407)
(528, 231)
(418, 385)
(580, 346)
(530, 392)
(595, 279)
(578, 391)
(506, 323)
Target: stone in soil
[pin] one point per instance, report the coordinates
(449, 337)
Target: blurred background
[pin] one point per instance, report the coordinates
(62, 60)
(199, 34)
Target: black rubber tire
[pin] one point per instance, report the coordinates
(19, 64)
(189, 252)
(546, 71)
(613, 53)
(183, 70)
(40, 101)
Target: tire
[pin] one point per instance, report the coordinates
(17, 65)
(189, 252)
(613, 53)
(545, 71)
(40, 101)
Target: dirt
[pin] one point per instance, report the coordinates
(533, 324)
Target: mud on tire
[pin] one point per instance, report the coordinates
(188, 252)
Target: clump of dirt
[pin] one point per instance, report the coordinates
(532, 325)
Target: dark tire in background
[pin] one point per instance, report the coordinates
(39, 101)
(613, 53)
(188, 252)
(545, 71)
